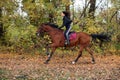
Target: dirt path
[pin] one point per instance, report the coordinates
(31, 67)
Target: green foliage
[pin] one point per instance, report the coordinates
(36, 12)
(92, 26)
(21, 37)
(66, 2)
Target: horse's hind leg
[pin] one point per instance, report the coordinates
(91, 53)
(79, 55)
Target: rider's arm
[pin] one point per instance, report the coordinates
(66, 21)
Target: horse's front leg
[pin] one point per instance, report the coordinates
(47, 49)
(50, 54)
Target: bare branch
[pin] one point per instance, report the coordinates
(98, 4)
(113, 15)
(84, 10)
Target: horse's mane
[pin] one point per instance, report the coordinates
(52, 25)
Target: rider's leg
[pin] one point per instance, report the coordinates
(67, 36)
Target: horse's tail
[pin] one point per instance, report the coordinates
(101, 37)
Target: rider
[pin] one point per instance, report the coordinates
(66, 22)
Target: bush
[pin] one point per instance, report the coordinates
(20, 38)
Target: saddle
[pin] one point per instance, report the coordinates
(72, 35)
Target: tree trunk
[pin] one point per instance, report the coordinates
(92, 9)
(51, 17)
(1, 24)
(67, 8)
(51, 13)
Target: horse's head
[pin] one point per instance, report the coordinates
(41, 30)
(47, 27)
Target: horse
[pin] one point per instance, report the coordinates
(58, 40)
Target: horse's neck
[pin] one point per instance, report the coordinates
(53, 31)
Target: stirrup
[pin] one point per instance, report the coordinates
(67, 42)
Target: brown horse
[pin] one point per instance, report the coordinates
(58, 40)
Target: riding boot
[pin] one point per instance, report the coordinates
(67, 40)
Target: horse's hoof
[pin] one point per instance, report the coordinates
(73, 62)
(45, 62)
(93, 62)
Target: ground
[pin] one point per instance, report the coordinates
(31, 67)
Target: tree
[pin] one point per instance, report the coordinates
(52, 10)
(1, 24)
(7, 9)
(92, 9)
(67, 4)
